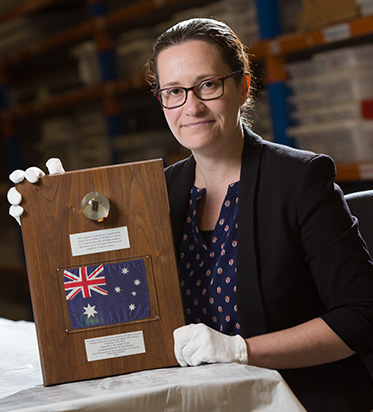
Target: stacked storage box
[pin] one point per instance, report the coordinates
(365, 7)
(86, 55)
(132, 50)
(80, 139)
(7, 4)
(332, 103)
(316, 14)
(241, 15)
(16, 34)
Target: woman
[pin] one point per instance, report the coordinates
(268, 251)
(273, 271)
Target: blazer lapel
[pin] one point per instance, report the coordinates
(249, 296)
(180, 179)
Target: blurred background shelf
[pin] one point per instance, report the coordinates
(355, 172)
(75, 97)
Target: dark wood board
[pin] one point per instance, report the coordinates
(138, 202)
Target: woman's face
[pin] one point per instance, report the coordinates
(201, 126)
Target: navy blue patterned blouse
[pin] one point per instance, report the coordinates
(208, 270)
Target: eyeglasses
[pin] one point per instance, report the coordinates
(208, 89)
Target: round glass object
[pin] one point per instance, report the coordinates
(95, 206)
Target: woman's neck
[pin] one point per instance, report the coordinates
(219, 170)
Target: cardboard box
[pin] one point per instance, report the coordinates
(320, 13)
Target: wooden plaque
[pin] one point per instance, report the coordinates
(105, 295)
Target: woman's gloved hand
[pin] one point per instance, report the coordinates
(197, 343)
(32, 174)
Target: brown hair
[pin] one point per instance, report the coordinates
(211, 31)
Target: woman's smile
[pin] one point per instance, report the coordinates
(197, 124)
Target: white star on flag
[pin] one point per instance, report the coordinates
(131, 307)
(137, 282)
(134, 293)
(125, 271)
(117, 289)
(90, 311)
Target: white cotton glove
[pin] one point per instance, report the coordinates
(32, 174)
(197, 343)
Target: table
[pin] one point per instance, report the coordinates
(215, 387)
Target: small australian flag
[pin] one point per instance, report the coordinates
(107, 294)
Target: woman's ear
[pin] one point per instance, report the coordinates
(245, 87)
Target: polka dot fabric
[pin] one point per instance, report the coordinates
(208, 271)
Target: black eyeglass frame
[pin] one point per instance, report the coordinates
(192, 88)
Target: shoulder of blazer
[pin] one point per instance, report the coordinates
(182, 169)
(252, 140)
(268, 163)
(278, 158)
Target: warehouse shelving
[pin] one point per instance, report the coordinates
(95, 26)
(98, 27)
(273, 52)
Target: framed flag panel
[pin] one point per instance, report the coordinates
(105, 292)
(108, 293)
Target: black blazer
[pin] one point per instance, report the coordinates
(300, 256)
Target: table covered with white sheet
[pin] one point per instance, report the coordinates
(216, 387)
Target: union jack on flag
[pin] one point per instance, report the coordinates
(107, 294)
(85, 284)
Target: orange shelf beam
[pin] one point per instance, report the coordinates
(25, 7)
(133, 10)
(354, 172)
(299, 41)
(73, 97)
(274, 63)
(60, 101)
